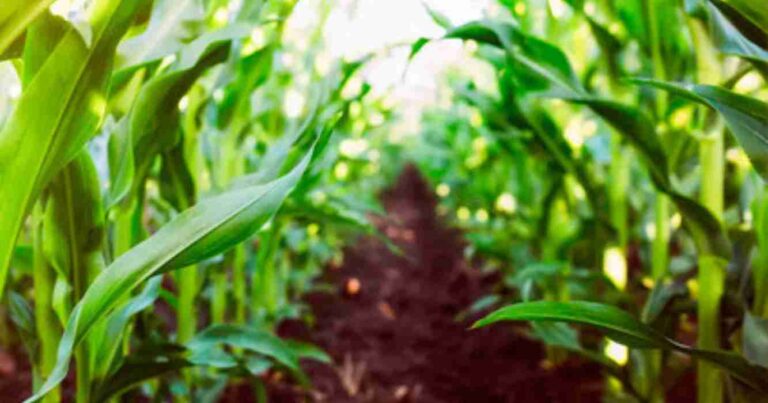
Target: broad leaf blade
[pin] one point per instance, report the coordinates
(620, 325)
(245, 337)
(207, 229)
(15, 16)
(625, 329)
(171, 25)
(48, 128)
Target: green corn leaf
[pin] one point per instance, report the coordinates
(205, 230)
(622, 327)
(543, 70)
(309, 351)
(610, 46)
(557, 334)
(545, 128)
(618, 324)
(143, 365)
(176, 183)
(638, 129)
(252, 71)
(334, 212)
(244, 337)
(48, 128)
(660, 298)
(15, 50)
(439, 18)
(204, 350)
(249, 339)
(707, 232)
(416, 47)
(137, 370)
(729, 39)
(105, 338)
(172, 24)
(745, 117)
(22, 260)
(561, 335)
(753, 10)
(16, 16)
(120, 159)
(41, 40)
(73, 224)
(151, 125)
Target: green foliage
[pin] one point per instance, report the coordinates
(187, 152)
(579, 199)
(625, 329)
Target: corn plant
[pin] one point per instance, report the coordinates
(135, 157)
(649, 95)
(175, 174)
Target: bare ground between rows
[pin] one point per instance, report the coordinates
(398, 339)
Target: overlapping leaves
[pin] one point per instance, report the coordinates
(204, 230)
(543, 70)
(48, 128)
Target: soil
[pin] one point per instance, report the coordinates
(396, 338)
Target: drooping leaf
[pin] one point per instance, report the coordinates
(622, 327)
(610, 46)
(121, 163)
(543, 70)
(618, 324)
(745, 117)
(547, 70)
(416, 47)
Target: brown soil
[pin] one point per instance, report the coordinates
(397, 339)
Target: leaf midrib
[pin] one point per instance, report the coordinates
(170, 256)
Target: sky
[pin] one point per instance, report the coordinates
(357, 27)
